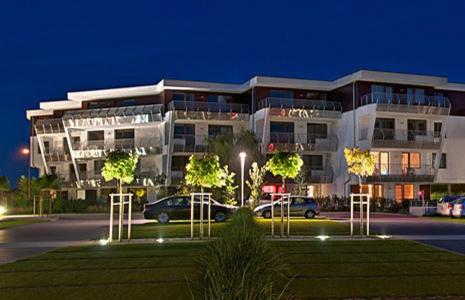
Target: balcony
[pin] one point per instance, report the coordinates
(289, 142)
(141, 178)
(402, 173)
(189, 143)
(320, 175)
(129, 115)
(405, 103)
(195, 110)
(301, 108)
(49, 126)
(392, 138)
(57, 155)
(96, 149)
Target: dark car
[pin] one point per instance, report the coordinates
(301, 206)
(179, 208)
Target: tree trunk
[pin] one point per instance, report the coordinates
(284, 185)
(121, 211)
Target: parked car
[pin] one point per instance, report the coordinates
(458, 210)
(300, 206)
(445, 205)
(179, 208)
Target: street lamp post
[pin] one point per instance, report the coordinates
(26, 151)
(242, 155)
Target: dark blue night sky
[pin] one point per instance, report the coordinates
(50, 47)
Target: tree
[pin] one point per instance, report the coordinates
(4, 186)
(301, 182)
(360, 163)
(255, 184)
(229, 191)
(286, 165)
(205, 172)
(121, 166)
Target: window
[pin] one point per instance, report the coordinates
(382, 162)
(404, 192)
(381, 93)
(53, 170)
(281, 132)
(439, 98)
(213, 98)
(126, 102)
(95, 135)
(415, 128)
(410, 160)
(316, 131)
(281, 94)
(214, 130)
(182, 97)
(415, 96)
(437, 129)
(442, 163)
(384, 129)
(98, 165)
(100, 104)
(124, 134)
(297, 201)
(313, 162)
(184, 129)
(178, 201)
(179, 163)
(46, 146)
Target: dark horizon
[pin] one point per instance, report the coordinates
(50, 49)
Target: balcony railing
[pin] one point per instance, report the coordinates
(94, 149)
(301, 108)
(408, 103)
(395, 138)
(49, 126)
(55, 155)
(402, 173)
(209, 110)
(139, 114)
(320, 175)
(187, 143)
(294, 143)
(95, 179)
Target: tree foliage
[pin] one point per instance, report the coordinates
(121, 166)
(285, 164)
(205, 172)
(255, 184)
(360, 163)
(229, 191)
(301, 182)
(4, 183)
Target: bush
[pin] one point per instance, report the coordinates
(241, 264)
(62, 206)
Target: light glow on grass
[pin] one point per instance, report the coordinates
(322, 237)
(160, 240)
(383, 236)
(2, 210)
(103, 242)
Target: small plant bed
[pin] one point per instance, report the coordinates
(299, 226)
(330, 269)
(10, 223)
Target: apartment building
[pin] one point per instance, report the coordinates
(413, 124)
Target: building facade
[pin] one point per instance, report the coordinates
(414, 125)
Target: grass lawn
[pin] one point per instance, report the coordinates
(331, 269)
(5, 224)
(182, 229)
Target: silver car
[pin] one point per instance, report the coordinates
(445, 205)
(300, 206)
(458, 209)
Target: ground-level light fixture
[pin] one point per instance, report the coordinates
(2, 210)
(103, 242)
(383, 236)
(242, 155)
(322, 237)
(160, 240)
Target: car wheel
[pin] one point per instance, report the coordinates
(267, 214)
(220, 217)
(309, 214)
(163, 218)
